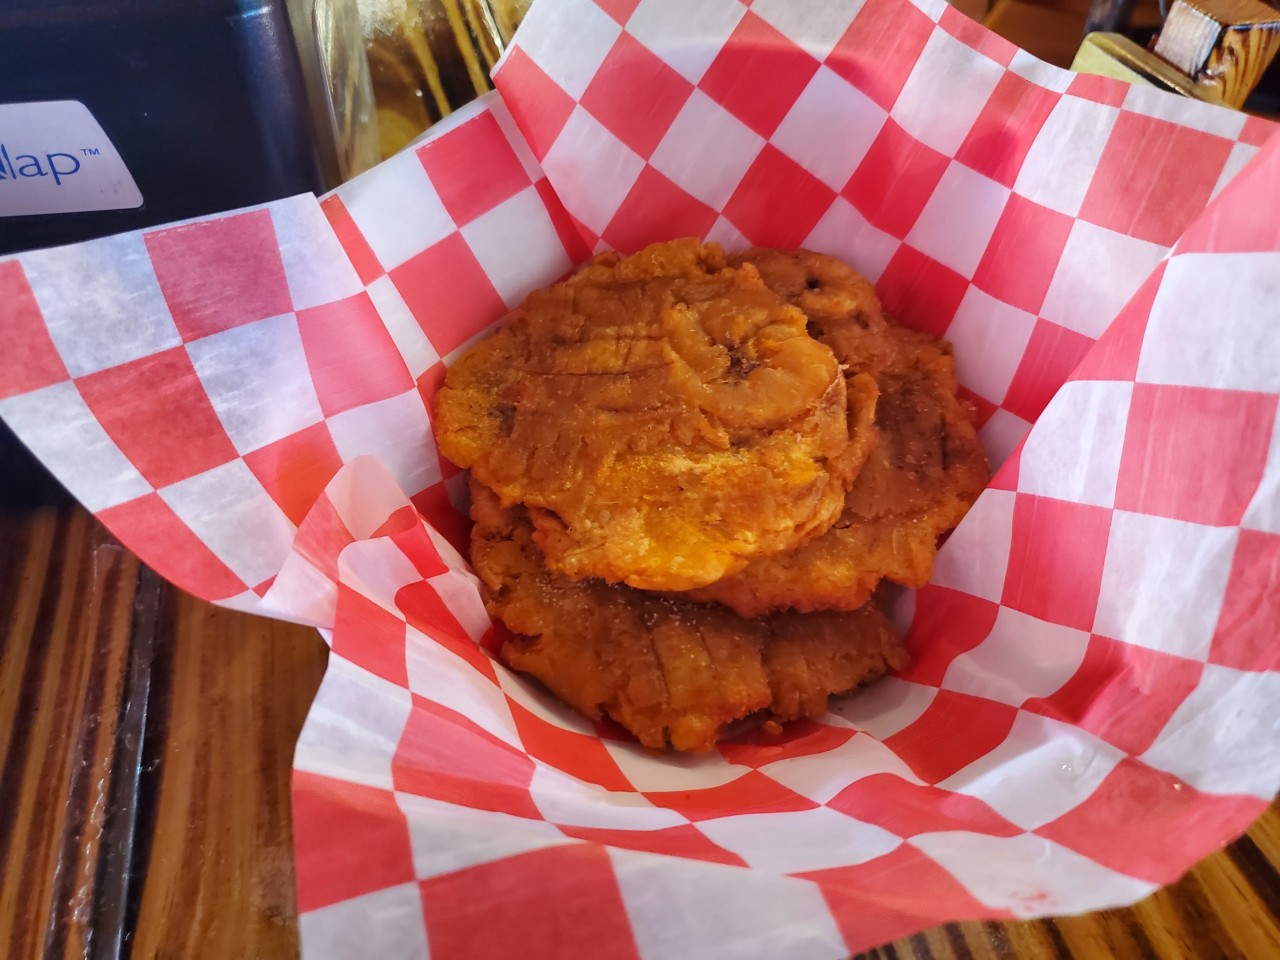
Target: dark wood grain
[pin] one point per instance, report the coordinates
(209, 865)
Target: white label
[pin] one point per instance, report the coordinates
(55, 158)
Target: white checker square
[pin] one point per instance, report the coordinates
(957, 222)
(727, 235)
(585, 146)
(1225, 737)
(1163, 583)
(1059, 167)
(1022, 658)
(1042, 770)
(800, 841)
(688, 36)
(989, 337)
(230, 512)
(300, 593)
(62, 431)
(947, 72)
(397, 209)
(1097, 274)
(517, 245)
(569, 40)
(814, 26)
(258, 381)
(386, 924)
(566, 800)
(740, 915)
(1263, 512)
(706, 150)
(364, 494)
(447, 837)
(1073, 451)
(316, 267)
(397, 433)
(1184, 111)
(1028, 875)
(101, 301)
(822, 776)
(685, 771)
(830, 127)
(976, 555)
(1040, 73)
(353, 726)
(415, 347)
(377, 570)
(445, 678)
(1207, 325)
(885, 707)
(1000, 436)
(460, 591)
(1240, 155)
(507, 123)
(843, 232)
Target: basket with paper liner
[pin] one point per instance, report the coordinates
(1091, 703)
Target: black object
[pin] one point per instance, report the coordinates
(205, 100)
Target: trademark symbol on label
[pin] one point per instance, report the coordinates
(89, 151)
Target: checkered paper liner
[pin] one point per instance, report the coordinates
(1094, 695)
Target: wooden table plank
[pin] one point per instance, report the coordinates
(212, 868)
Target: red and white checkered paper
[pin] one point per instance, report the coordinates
(1095, 694)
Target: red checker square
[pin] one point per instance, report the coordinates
(296, 469)
(1149, 824)
(1122, 693)
(351, 356)
(654, 209)
(544, 106)
(920, 292)
(1114, 356)
(1051, 354)
(569, 231)
(566, 898)
(778, 202)
(1142, 151)
(370, 636)
(1023, 254)
(157, 412)
(1000, 139)
(946, 624)
(1245, 637)
(403, 529)
(895, 180)
(219, 274)
(28, 358)
(799, 738)
(349, 839)
(448, 293)
(444, 756)
(975, 37)
(620, 10)
(568, 751)
(1193, 453)
(685, 841)
(1257, 131)
(894, 896)
(427, 612)
(908, 809)
(1056, 555)
(880, 48)
(1104, 90)
(353, 242)
(322, 537)
(1231, 224)
(473, 168)
(437, 509)
(952, 733)
(639, 121)
(753, 792)
(756, 50)
(158, 536)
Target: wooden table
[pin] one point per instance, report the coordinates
(145, 746)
